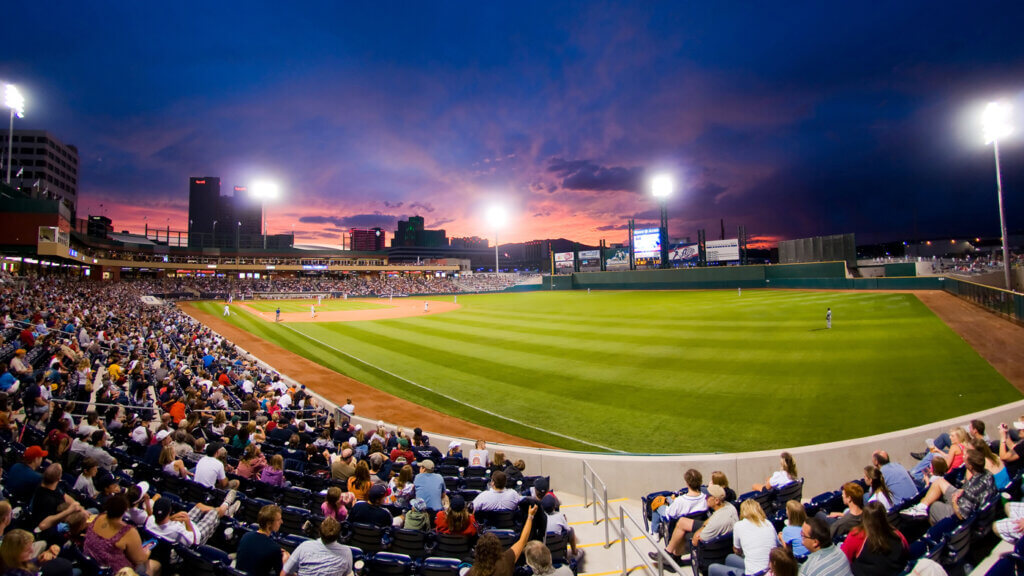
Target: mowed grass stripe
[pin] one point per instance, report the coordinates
(683, 371)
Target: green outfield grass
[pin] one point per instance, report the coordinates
(303, 305)
(664, 371)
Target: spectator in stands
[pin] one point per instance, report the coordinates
(491, 560)
(113, 543)
(720, 522)
(371, 511)
(496, 497)
(323, 556)
(402, 488)
(273, 473)
(786, 473)
(423, 450)
(46, 509)
(825, 559)
(994, 465)
(456, 518)
(20, 364)
(899, 481)
(875, 548)
(23, 479)
(753, 538)
(455, 451)
(152, 455)
(538, 558)
(210, 471)
(498, 462)
(8, 379)
(418, 517)
(781, 562)
(944, 499)
(840, 523)
(790, 536)
(171, 465)
(359, 484)
(259, 554)
(343, 465)
(877, 489)
(429, 486)
(252, 462)
(720, 479)
(95, 448)
(402, 451)
(954, 457)
(332, 506)
(17, 554)
(191, 528)
(558, 524)
(84, 484)
(478, 456)
(690, 502)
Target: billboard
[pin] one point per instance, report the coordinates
(617, 259)
(647, 243)
(685, 253)
(590, 260)
(723, 250)
(564, 263)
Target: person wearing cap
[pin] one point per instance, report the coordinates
(343, 465)
(456, 518)
(423, 450)
(192, 528)
(429, 486)
(152, 455)
(557, 522)
(496, 497)
(372, 511)
(323, 556)
(20, 364)
(23, 479)
(490, 559)
(402, 451)
(210, 470)
(721, 522)
(417, 518)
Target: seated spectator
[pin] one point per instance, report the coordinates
(19, 554)
(113, 543)
(840, 523)
(418, 517)
(721, 522)
(498, 462)
(332, 506)
(191, 528)
(323, 556)
(877, 489)
(371, 511)
(491, 560)
(994, 465)
(23, 478)
(402, 488)
(786, 474)
(558, 524)
(538, 558)
(343, 465)
(47, 507)
(944, 499)
(875, 548)
(899, 481)
(84, 483)
(402, 451)
(252, 462)
(259, 554)
(791, 536)
(456, 519)
(478, 456)
(496, 497)
(691, 502)
(825, 559)
(954, 457)
(210, 470)
(753, 538)
(152, 455)
(273, 473)
(360, 483)
(171, 465)
(781, 562)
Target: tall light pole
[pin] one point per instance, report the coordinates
(996, 122)
(662, 186)
(496, 217)
(16, 102)
(214, 234)
(264, 191)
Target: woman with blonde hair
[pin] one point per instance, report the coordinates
(172, 465)
(538, 557)
(753, 538)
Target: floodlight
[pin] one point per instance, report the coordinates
(14, 100)
(662, 186)
(996, 122)
(264, 190)
(496, 216)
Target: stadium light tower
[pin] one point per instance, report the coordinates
(16, 102)
(496, 217)
(264, 191)
(996, 123)
(662, 187)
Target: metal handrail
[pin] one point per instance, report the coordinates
(590, 488)
(648, 564)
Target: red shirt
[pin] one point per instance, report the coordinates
(441, 525)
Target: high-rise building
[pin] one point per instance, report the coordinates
(470, 242)
(411, 232)
(248, 211)
(366, 239)
(46, 165)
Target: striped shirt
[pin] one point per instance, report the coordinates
(826, 562)
(314, 558)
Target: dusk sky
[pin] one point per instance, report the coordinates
(792, 118)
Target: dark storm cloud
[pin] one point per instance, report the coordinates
(585, 175)
(610, 227)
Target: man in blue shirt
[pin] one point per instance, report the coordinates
(23, 479)
(8, 383)
(896, 477)
(429, 486)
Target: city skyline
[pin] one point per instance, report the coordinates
(794, 122)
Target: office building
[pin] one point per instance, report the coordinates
(48, 167)
(411, 232)
(366, 239)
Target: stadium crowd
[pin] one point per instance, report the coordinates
(136, 439)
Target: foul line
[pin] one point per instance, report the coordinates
(447, 397)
